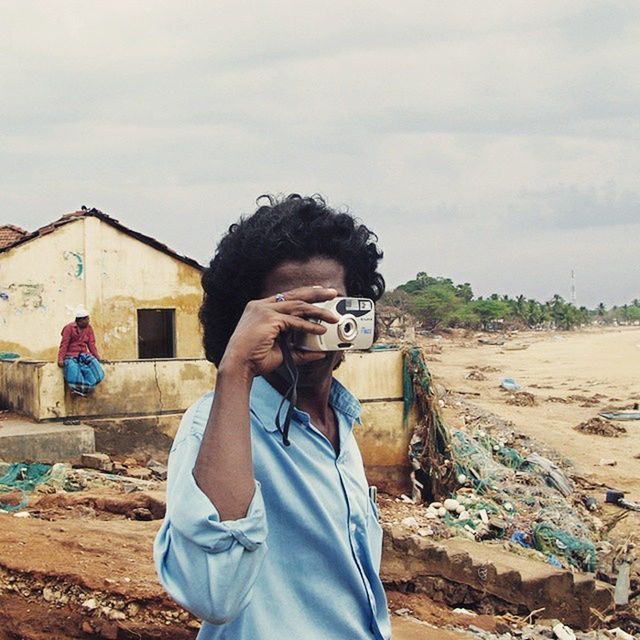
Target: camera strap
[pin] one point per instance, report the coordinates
(291, 394)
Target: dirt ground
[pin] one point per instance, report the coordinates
(79, 568)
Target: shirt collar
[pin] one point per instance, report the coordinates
(265, 401)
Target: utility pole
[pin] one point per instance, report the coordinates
(573, 287)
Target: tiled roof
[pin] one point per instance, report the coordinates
(93, 213)
(9, 234)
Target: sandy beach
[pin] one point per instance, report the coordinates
(572, 377)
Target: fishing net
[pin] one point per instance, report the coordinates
(580, 553)
(519, 498)
(473, 459)
(24, 478)
(430, 449)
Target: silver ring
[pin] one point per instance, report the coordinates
(280, 297)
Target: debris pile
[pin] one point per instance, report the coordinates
(522, 399)
(430, 447)
(100, 605)
(587, 401)
(498, 485)
(553, 631)
(96, 472)
(601, 427)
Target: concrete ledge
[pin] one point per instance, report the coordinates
(146, 436)
(487, 569)
(23, 441)
(136, 409)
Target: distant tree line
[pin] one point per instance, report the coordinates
(437, 303)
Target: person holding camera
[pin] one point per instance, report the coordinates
(270, 531)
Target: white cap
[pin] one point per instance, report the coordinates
(80, 312)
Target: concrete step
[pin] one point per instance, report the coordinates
(25, 441)
(488, 569)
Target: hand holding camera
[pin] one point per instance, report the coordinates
(253, 347)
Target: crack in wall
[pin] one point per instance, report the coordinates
(155, 374)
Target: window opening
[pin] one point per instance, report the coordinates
(156, 333)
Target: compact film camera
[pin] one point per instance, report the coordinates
(354, 329)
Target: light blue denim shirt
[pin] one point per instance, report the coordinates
(303, 564)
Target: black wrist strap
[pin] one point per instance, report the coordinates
(292, 392)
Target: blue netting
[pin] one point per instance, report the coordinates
(24, 478)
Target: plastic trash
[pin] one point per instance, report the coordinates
(510, 384)
(613, 496)
(521, 538)
(553, 475)
(617, 497)
(623, 583)
(562, 632)
(554, 562)
(620, 415)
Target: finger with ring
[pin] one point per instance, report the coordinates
(280, 297)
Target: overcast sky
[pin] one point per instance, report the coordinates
(490, 142)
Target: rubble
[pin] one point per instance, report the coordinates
(100, 461)
(510, 489)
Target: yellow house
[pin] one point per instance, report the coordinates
(142, 296)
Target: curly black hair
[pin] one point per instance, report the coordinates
(288, 228)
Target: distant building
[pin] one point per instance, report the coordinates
(9, 234)
(142, 296)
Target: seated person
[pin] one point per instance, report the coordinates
(79, 356)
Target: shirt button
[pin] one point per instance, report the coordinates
(353, 527)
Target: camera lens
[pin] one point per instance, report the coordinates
(348, 328)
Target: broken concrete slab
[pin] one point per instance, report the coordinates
(25, 441)
(100, 461)
(482, 569)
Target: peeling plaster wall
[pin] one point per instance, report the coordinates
(20, 387)
(37, 280)
(111, 273)
(130, 275)
(376, 380)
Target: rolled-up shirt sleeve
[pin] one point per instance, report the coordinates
(207, 565)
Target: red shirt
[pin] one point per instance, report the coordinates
(76, 341)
